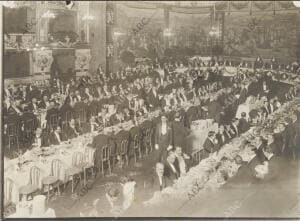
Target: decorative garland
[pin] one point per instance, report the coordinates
(240, 4)
(221, 6)
(285, 4)
(263, 5)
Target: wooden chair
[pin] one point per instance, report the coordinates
(53, 178)
(196, 157)
(13, 135)
(136, 147)
(89, 155)
(53, 121)
(67, 117)
(76, 168)
(30, 127)
(148, 140)
(124, 152)
(7, 191)
(105, 157)
(34, 182)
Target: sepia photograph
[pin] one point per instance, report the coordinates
(150, 110)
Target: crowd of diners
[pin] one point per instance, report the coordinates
(90, 104)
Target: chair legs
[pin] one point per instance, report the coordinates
(109, 167)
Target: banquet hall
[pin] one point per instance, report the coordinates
(171, 109)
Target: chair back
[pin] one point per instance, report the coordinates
(196, 156)
(148, 135)
(124, 146)
(105, 153)
(12, 129)
(8, 186)
(35, 173)
(136, 141)
(77, 159)
(89, 155)
(56, 166)
(69, 116)
(53, 121)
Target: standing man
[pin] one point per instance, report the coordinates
(163, 138)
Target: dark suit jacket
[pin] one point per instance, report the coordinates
(69, 133)
(243, 125)
(179, 134)
(53, 139)
(222, 141)
(209, 146)
(155, 184)
(170, 175)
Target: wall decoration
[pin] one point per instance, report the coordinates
(239, 4)
(83, 57)
(262, 5)
(42, 61)
(265, 35)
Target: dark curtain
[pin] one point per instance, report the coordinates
(16, 64)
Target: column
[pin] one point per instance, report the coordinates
(97, 38)
(110, 21)
(167, 25)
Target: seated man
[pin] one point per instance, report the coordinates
(71, 130)
(243, 124)
(210, 144)
(171, 173)
(158, 181)
(40, 139)
(56, 137)
(182, 161)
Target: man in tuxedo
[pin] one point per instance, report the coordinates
(210, 144)
(41, 139)
(268, 108)
(33, 106)
(158, 181)
(234, 127)
(243, 124)
(274, 165)
(71, 130)
(44, 103)
(56, 137)
(153, 98)
(222, 136)
(171, 172)
(179, 132)
(243, 94)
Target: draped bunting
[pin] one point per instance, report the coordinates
(239, 4)
(263, 5)
(285, 4)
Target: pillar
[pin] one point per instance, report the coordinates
(110, 22)
(167, 25)
(97, 37)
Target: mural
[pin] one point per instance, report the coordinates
(262, 35)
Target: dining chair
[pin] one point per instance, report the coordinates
(8, 186)
(89, 163)
(136, 147)
(34, 183)
(13, 135)
(124, 152)
(105, 158)
(53, 179)
(148, 140)
(75, 170)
